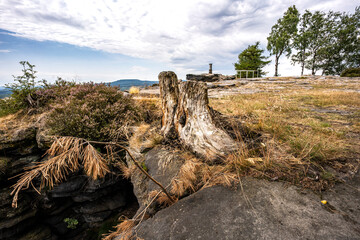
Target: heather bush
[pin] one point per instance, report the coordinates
(32, 95)
(52, 93)
(94, 112)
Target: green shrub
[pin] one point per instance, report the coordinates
(351, 72)
(23, 89)
(94, 112)
(7, 106)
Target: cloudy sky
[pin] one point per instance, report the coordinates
(94, 40)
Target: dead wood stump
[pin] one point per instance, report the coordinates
(187, 116)
(169, 92)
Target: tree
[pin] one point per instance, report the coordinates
(24, 87)
(251, 59)
(281, 34)
(301, 42)
(318, 36)
(342, 49)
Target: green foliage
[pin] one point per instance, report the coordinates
(318, 36)
(301, 42)
(327, 41)
(24, 87)
(27, 93)
(342, 50)
(251, 59)
(143, 165)
(94, 112)
(281, 34)
(71, 223)
(7, 106)
(351, 72)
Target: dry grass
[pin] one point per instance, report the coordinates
(303, 132)
(134, 90)
(65, 155)
(126, 170)
(124, 228)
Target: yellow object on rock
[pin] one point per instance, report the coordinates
(324, 202)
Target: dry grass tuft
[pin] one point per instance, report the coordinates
(124, 229)
(187, 177)
(134, 90)
(64, 156)
(94, 164)
(163, 200)
(126, 170)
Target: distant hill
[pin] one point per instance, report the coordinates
(4, 92)
(125, 84)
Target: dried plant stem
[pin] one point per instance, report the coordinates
(138, 166)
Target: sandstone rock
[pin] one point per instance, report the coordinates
(4, 162)
(43, 137)
(203, 77)
(14, 220)
(17, 165)
(264, 210)
(39, 233)
(19, 141)
(209, 77)
(163, 163)
(104, 204)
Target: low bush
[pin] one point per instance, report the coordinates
(94, 112)
(351, 72)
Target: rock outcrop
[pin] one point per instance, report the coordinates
(40, 217)
(209, 77)
(261, 210)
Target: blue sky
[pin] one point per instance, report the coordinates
(92, 40)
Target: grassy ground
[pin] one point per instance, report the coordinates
(310, 136)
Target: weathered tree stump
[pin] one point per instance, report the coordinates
(187, 116)
(169, 92)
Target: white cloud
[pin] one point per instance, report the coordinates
(184, 35)
(4, 51)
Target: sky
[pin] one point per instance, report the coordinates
(103, 41)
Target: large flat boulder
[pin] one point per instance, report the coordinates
(262, 210)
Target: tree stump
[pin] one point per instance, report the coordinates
(169, 92)
(187, 116)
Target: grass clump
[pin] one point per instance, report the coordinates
(134, 90)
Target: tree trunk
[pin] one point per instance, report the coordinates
(276, 65)
(313, 65)
(302, 68)
(192, 122)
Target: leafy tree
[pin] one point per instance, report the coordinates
(281, 34)
(251, 59)
(319, 35)
(301, 41)
(342, 49)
